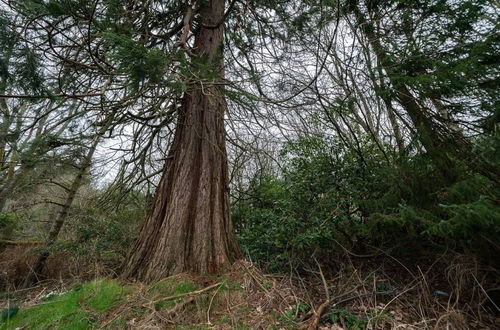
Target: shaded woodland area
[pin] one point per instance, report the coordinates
(249, 164)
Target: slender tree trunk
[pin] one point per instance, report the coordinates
(188, 228)
(391, 112)
(39, 264)
(7, 189)
(423, 125)
(13, 177)
(5, 111)
(436, 144)
(395, 127)
(439, 142)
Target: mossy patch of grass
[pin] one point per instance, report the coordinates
(78, 308)
(185, 287)
(229, 285)
(171, 288)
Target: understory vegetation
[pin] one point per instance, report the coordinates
(329, 199)
(328, 213)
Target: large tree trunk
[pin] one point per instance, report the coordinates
(188, 228)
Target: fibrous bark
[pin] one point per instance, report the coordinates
(188, 228)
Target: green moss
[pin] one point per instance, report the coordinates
(229, 285)
(76, 309)
(185, 287)
(104, 295)
(170, 288)
(89, 305)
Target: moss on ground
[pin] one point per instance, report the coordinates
(178, 302)
(171, 288)
(101, 303)
(78, 308)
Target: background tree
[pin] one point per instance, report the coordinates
(33, 131)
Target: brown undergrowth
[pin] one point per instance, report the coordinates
(450, 292)
(242, 298)
(16, 260)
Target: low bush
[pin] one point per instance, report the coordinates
(329, 198)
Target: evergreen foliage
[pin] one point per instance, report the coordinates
(328, 199)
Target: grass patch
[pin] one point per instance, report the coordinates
(170, 288)
(78, 308)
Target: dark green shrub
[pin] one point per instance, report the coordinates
(327, 196)
(310, 209)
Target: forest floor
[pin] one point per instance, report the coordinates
(357, 297)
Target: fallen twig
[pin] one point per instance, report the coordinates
(313, 325)
(188, 294)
